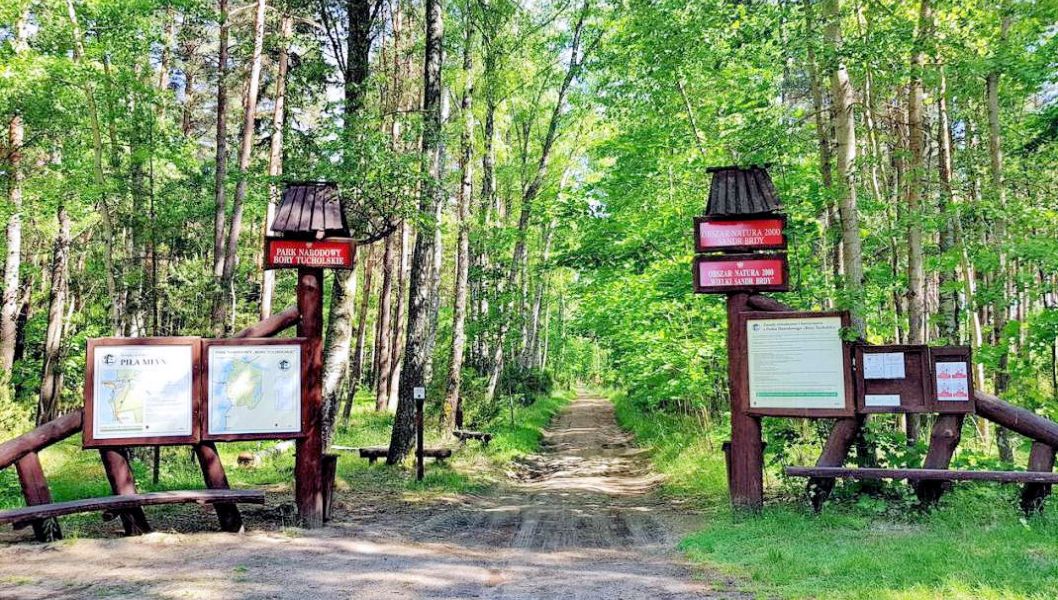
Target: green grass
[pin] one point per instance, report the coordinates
(74, 473)
(976, 544)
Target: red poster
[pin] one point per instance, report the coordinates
(330, 253)
(742, 234)
(724, 274)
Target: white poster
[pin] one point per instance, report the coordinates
(881, 400)
(796, 363)
(883, 365)
(141, 391)
(254, 389)
(953, 382)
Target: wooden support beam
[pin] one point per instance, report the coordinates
(924, 474)
(122, 483)
(35, 491)
(759, 302)
(835, 451)
(330, 472)
(272, 325)
(1041, 458)
(308, 468)
(746, 475)
(947, 430)
(40, 438)
(1016, 419)
(111, 504)
(216, 479)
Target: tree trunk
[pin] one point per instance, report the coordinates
(13, 258)
(52, 374)
(949, 322)
(361, 336)
(845, 137)
(418, 350)
(221, 318)
(383, 335)
(453, 411)
(275, 154)
(221, 166)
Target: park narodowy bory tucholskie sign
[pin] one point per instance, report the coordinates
(328, 253)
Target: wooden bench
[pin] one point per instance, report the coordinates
(111, 505)
(463, 435)
(372, 454)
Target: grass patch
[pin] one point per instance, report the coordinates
(74, 473)
(976, 544)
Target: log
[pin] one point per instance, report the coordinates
(122, 483)
(40, 438)
(35, 491)
(944, 438)
(1033, 495)
(216, 479)
(1016, 419)
(758, 302)
(835, 451)
(925, 474)
(272, 325)
(131, 502)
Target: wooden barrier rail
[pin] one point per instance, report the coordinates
(41, 437)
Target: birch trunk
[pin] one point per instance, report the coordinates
(275, 154)
(52, 374)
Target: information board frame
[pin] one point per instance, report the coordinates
(849, 408)
(914, 388)
(956, 354)
(306, 410)
(700, 288)
(89, 439)
(700, 246)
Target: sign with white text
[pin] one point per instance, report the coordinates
(755, 272)
(328, 253)
(739, 235)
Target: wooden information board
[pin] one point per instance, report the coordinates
(892, 379)
(142, 392)
(253, 389)
(951, 376)
(797, 364)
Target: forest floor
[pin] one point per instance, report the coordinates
(580, 519)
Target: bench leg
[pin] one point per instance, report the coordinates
(947, 430)
(35, 491)
(834, 453)
(216, 479)
(116, 465)
(371, 460)
(1041, 458)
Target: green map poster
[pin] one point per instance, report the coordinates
(254, 389)
(142, 391)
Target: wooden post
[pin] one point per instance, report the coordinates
(835, 451)
(746, 476)
(330, 471)
(308, 470)
(419, 448)
(1041, 458)
(35, 491)
(947, 431)
(116, 465)
(213, 473)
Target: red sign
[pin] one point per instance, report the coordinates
(328, 253)
(711, 233)
(757, 272)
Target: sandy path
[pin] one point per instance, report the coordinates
(580, 520)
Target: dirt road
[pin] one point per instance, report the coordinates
(580, 520)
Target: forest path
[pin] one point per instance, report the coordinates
(579, 520)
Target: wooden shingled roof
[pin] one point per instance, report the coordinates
(308, 208)
(741, 191)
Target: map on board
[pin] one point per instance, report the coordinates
(142, 391)
(254, 389)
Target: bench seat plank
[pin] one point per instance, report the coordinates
(128, 501)
(924, 474)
